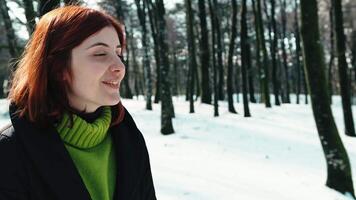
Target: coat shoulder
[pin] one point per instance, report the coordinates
(11, 172)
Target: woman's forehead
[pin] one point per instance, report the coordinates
(107, 36)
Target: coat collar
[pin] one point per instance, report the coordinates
(48, 154)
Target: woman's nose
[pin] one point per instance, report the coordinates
(117, 65)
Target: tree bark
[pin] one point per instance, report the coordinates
(204, 55)
(215, 70)
(244, 61)
(273, 55)
(152, 12)
(191, 50)
(286, 98)
(265, 72)
(30, 16)
(342, 64)
(338, 165)
(332, 53)
(167, 111)
(258, 55)
(10, 32)
(298, 50)
(141, 12)
(233, 35)
(219, 50)
(44, 6)
(127, 93)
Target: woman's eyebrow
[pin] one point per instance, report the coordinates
(102, 44)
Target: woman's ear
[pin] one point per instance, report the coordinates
(66, 76)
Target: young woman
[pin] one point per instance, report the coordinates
(70, 137)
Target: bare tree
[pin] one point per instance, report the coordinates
(233, 36)
(338, 165)
(342, 64)
(244, 61)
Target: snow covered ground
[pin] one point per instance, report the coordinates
(274, 155)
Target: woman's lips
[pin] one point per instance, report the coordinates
(112, 84)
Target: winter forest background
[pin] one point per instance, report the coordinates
(237, 99)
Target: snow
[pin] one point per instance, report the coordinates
(274, 155)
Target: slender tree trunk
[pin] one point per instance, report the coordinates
(219, 50)
(30, 16)
(265, 73)
(176, 75)
(152, 12)
(134, 64)
(244, 61)
(273, 55)
(204, 55)
(258, 55)
(215, 71)
(332, 52)
(250, 74)
(338, 165)
(12, 46)
(344, 81)
(72, 2)
(191, 51)
(298, 50)
(127, 93)
(141, 12)
(231, 53)
(284, 52)
(167, 111)
(10, 32)
(353, 61)
(306, 92)
(44, 6)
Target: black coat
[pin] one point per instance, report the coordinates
(35, 165)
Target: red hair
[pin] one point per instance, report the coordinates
(38, 88)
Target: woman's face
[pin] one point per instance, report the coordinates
(97, 71)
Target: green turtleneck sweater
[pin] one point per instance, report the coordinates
(91, 149)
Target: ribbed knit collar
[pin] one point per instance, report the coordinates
(82, 134)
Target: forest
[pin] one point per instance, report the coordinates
(269, 52)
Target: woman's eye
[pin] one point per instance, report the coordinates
(120, 56)
(100, 54)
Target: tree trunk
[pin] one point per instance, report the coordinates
(332, 53)
(273, 55)
(219, 50)
(250, 74)
(152, 12)
(191, 50)
(204, 55)
(127, 93)
(215, 71)
(231, 53)
(265, 73)
(72, 2)
(298, 50)
(353, 59)
(244, 61)
(10, 32)
(141, 12)
(44, 6)
(284, 52)
(134, 63)
(344, 82)
(30, 16)
(166, 105)
(258, 47)
(338, 164)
